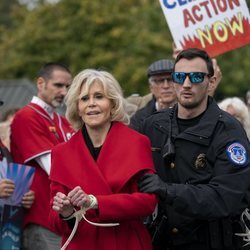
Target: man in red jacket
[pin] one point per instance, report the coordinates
(35, 130)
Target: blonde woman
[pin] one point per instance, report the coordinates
(95, 174)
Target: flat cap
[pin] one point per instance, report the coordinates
(160, 67)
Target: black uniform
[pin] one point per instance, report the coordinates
(208, 179)
(140, 115)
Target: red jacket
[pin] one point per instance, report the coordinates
(124, 157)
(33, 133)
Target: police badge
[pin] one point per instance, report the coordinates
(200, 161)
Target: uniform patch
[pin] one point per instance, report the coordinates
(200, 161)
(237, 153)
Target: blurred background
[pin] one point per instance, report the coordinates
(122, 37)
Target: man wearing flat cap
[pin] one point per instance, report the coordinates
(161, 87)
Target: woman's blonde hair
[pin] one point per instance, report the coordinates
(112, 91)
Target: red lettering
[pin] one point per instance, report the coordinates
(222, 5)
(236, 2)
(205, 4)
(195, 11)
(210, 7)
(214, 7)
(187, 18)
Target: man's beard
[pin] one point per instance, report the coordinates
(57, 104)
(190, 105)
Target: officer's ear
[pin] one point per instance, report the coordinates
(212, 85)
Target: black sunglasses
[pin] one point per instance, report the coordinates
(194, 77)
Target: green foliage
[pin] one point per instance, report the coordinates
(6, 8)
(235, 67)
(123, 37)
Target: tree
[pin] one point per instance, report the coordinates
(123, 37)
(5, 10)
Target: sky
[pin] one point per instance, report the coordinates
(31, 4)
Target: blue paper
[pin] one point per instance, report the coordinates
(22, 175)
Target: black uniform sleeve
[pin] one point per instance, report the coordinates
(227, 192)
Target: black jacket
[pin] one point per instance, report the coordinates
(140, 115)
(209, 178)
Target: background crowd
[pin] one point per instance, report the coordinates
(167, 169)
(97, 112)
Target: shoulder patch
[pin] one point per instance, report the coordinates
(237, 153)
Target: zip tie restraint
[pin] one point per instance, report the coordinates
(79, 215)
(245, 216)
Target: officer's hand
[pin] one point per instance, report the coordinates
(152, 183)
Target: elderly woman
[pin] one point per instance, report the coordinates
(96, 172)
(237, 108)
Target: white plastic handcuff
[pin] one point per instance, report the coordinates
(79, 215)
(246, 235)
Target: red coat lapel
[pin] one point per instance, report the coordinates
(124, 154)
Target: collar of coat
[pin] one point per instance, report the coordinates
(124, 154)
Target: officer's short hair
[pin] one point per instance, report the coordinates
(192, 53)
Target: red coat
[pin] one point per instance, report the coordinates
(124, 157)
(33, 133)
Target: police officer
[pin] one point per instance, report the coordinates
(201, 154)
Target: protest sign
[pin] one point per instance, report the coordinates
(216, 26)
(11, 210)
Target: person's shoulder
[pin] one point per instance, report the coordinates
(230, 130)
(146, 110)
(229, 121)
(31, 109)
(159, 119)
(23, 114)
(24, 109)
(158, 116)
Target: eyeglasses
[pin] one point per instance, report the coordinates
(161, 80)
(194, 77)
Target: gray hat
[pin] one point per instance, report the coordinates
(160, 67)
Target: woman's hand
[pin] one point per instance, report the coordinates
(62, 205)
(78, 197)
